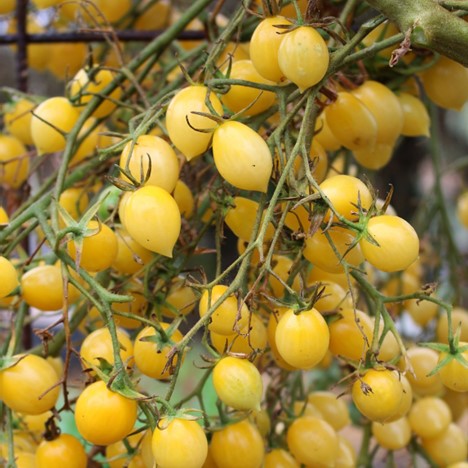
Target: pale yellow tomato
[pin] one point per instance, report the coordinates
(146, 151)
(14, 161)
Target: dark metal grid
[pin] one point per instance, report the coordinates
(22, 39)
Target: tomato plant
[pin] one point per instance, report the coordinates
(225, 242)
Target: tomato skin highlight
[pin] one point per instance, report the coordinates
(97, 403)
(242, 156)
(179, 443)
(22, 384)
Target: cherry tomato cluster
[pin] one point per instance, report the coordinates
(332, 332)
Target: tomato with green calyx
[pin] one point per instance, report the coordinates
(302, 338)
(97, 403)
(391, 244)
(228, 316)
(149, 150)
(242, 156)
(151, 351)
(347, 194)
(14, 162)
(303, 57)
(238, 444)
(65, 450)
(98, 344)
(454, 374)
(98, 250)
(184, 125)
(29, 386)
(90, 82)
(179, 443)
(151, 216)
(459, 319)
(378, 394)
(74, 201)
(312, 441)
(51, 119)
(238, 383)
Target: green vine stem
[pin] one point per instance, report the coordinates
(433, 27)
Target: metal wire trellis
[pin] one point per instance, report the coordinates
(22, 38)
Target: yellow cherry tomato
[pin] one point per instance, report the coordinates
(65, 450)
(459, 319)
(393, 435)
(185, 137)
(184, 199)
(97, 403)
(88, 83)
(351, 122)
(454, 374)
(17, 116)
(378, 394)
(279, 458)
(151, 357)
(9, 277)
(14, 161)
(264, 45)
(240, 97)
(131, 256)
(42, 287)
(53, 114)
(333, 409)
(137, 155)
(227, 317)
(238, 383)
(303, 57)
(98, 250)
(179, 443)
(416, 120)
(238, 444)
(26, 387)
(312, 441)
(242, 156)
(98, 344)
(429, 417)
(75, 201)
(302, 339)
(423, 361)
(374, 157)
(395, 246)
(151, 216)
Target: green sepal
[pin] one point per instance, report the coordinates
(9, 361)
